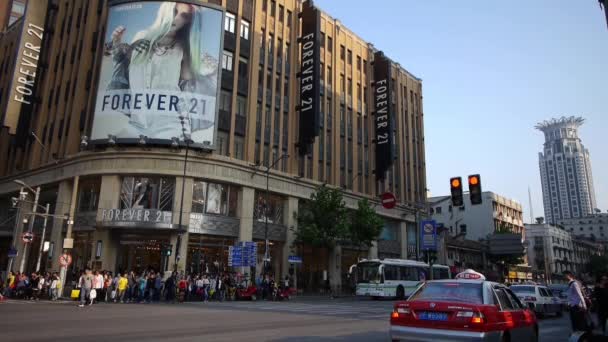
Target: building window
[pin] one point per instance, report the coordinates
(342, 49)
(349, 57)
(245, 29)
(88, 196)
(330, 44)
(268, 207)
(438, 210)
(272, 8)
(214, 198)
(227, 59)
(288, 18)
(141, 192)
(229, 22)
(281, 14)
(222, 143)
(239, 148)
(241, 106)
(225, 101)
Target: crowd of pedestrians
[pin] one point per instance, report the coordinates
(34, 286)
(90, 287)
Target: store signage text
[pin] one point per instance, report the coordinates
(136, 215)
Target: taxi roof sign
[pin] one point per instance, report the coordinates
(470, 275)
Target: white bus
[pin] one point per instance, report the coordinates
(393, 277)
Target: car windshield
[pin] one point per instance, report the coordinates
(522, 289)
(368, 272)
(450, 291)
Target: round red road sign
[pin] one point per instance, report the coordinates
(388, 200)
(65, 260)
(27, 237)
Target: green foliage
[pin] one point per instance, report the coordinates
(322, 220)
(365, 225)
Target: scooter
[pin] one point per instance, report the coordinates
(247, 293)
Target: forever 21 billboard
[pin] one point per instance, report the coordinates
(159, 73)
(383, 116)
(310, 70)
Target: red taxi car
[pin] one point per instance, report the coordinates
(467, 308)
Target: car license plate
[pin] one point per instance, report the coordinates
(433, 316)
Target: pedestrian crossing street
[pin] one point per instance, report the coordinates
(352, 309)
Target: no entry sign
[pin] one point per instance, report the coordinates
(27, 237)
(65, 260)
(388, 200)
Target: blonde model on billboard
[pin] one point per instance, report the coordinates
(167, 56)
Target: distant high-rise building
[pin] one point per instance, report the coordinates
(565, 171)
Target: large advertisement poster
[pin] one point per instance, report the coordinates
(385, 151)
(159, 76)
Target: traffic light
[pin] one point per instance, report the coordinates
(475, 189)
(167, 250)
(456, 190)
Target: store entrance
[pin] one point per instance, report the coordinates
(141, 253)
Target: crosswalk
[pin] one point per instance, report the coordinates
(357, 310)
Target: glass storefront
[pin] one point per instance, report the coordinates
(208, 254)
(141, 252)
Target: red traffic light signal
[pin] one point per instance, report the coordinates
(475, 189)
(456, 191)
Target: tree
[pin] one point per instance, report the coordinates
(322, 220)
(365, 225)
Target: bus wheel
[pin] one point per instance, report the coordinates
(400, 292)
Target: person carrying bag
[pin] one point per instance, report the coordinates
(579, 311)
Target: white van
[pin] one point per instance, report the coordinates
(538, 298)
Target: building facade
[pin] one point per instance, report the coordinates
(553, 250)
(594, 226)
(565, 171)
(477, 222)
(132, 203)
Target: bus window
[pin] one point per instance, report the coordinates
(408, 273)
(422, 273)
(391, 272)
(368, 272)
(441, 273)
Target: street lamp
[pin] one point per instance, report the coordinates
(268, 168)
(31, 222)
(187, 140)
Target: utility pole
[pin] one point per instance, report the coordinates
(68, 242)
(30, 229)
(46, 216)
(16, 202)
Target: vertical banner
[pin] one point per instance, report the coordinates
(159, 73)
(428, 235)
(309, 77)
(385, 153)
(20, 96)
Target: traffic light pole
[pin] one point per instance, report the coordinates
(30, 229)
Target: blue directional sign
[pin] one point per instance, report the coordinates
(294, 259)
(428, 235)
(12, 252)
(243, 255)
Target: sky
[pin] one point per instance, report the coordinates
(490, 71)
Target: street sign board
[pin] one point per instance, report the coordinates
(428, 235)
(243, 255)
(27, 237)
(12, 252)
(388, 200)
(294, 259)
(65, 260)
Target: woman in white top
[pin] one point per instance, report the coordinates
(166, 56)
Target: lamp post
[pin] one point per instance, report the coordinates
(267, 194)
(31, 223)
(187, 140)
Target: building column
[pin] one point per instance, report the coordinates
(62, 207)
(245, 212)
(109, 248)
(290, 210)
(403, 241)
(372, 253)
(335, 269)
(182, 252)
(185, 207)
